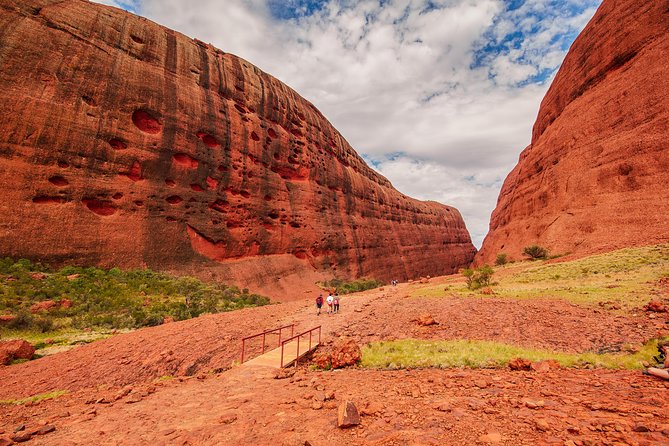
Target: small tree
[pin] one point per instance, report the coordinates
(502, 259)
(535, 252)
(478, 278)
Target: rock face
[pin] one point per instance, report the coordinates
(595, 176)
(124, 143)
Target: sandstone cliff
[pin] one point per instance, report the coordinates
(123, 143)
(596, 175)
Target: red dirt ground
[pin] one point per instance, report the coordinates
(208, 404)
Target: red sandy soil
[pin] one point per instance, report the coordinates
(115, 399)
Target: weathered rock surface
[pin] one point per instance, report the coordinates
(15, 349)
(595, 176)
(124, 143)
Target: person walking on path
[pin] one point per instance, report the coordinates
(329, 300)
(336, 303)
(319, 304)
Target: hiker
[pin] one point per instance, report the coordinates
(319, 303)
(336, 303)
(329, 300)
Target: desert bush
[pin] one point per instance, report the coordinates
(479, 277)
(535, 252)
(502, 259)
(344, 287)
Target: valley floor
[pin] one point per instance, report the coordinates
(176, 383)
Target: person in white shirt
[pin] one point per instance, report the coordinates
(329, 300)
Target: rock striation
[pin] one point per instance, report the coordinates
(596, 173)
(124, 143)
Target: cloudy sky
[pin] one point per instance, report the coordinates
(439, 96)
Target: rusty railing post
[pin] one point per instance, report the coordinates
(282, 346)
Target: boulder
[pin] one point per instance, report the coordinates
(426, 320)
(656, 307)
(520, 364)
(174, 155)
(347, 415)
(6, 318)
(345, 353)
(65, 303)
(43, 306)
(545, 366)
(15, 349)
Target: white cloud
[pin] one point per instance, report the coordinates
(404, 76)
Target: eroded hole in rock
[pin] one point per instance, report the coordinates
(185, 160)
(250, 174)
(245, 193)
(117, 196)
(100, 207)
(296, 132)
(139, 203)
(240, 109)
(170, 183)
(136, 39)
(272, 133)
(196, 187)
(300, 254)
(219, 205)
(171, 219)
(254, 136)
(58, 181)
(268, 197)
(63, 164)
(233, 224)
(209, 140)
(294, 224)
(212, 183)
(146, 122)
(135, 172)
(89, 100)
(625, 169)
(222, 168)
(49, 200)
(174, 199)
(117, 144)
(273, 215)
(277, 156)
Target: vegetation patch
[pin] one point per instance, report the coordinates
(74, 298)
(412, 353)
(343, 287)
(622, 279)
(36, 398)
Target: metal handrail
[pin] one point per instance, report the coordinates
(264, 334)
(298, 336)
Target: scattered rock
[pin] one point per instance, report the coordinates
(640, 428)
(534, 404)
(45, 430)
(545, 366)
(322, 359)
(426, 320)
(65, 303)
(38, 276)
(519, 364)
(4, 441)
(227, 418)
(656, 307)
(6, 318)
(284, 373)
(542, 425)
(73, 276)
(487, 291)
(44, 305)
(16, 349)
(21, 437)
(348, 415)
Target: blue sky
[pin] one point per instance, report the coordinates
(437, 95)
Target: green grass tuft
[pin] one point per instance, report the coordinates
(36, 398)
(412, 353)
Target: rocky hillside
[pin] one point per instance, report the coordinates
(124, 143)
(595, 176)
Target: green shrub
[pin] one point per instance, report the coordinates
(502, 259)
(479, 277)
(110, 298)
(535, 252)
(344, 287)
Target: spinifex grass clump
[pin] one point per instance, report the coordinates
(479, 277)
(412, 353)
(343, 287)
(108, 298)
